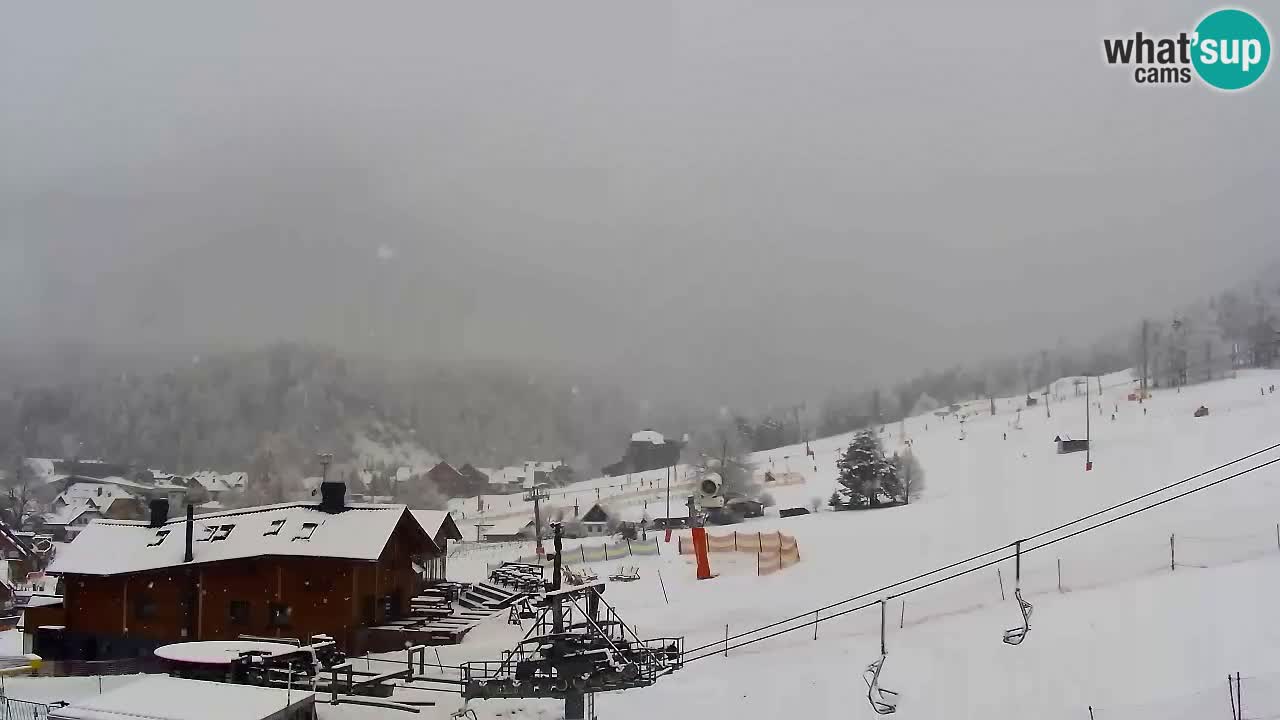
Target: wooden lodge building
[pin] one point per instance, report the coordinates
(291, 570)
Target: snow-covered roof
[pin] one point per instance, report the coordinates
(649, 436)
(95, 491)
(215, 482)
(110, 547)
(161, 697)
(507, 527)
(219, 652)
(74, 480)
(433, 521)
(68, 514)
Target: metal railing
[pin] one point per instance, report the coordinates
(12, 709)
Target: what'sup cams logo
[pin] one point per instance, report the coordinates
(1228, 50)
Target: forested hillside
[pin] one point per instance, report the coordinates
(218, 411)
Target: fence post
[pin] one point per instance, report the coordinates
(815, 624)
(1059, 574)
(1239, 699)
(657, 549)
(1231, 694)
(1090, 712)
(726, 640)
(1000, 578)
(582, 550)
(735, 541)
(1278, 536)
(902, 618)
(1172, 564)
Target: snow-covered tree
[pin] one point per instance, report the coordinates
(867, 477)
(911, 474)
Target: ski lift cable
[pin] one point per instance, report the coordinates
(1063, 526)
(722, 646)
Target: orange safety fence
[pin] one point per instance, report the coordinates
(770, 561)
(774, 550)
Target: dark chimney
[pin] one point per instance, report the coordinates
(159, 512)
(333, 497)
(191, 531)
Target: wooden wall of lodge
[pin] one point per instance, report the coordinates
(329, 596)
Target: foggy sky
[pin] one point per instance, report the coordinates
(758, 198)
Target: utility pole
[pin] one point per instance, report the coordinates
(670, 470)
(537, 494)
(1142, 390)
(1088, 438)
(1048, 381)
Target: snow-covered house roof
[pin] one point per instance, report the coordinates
(110, 547)
(509, 527)
(436, 521)
(597, 514)
(99, 493)
(215, 482)
(68, 514)
(649, 436)
(162, 697)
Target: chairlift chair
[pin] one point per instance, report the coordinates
(883, 701)
(1015, 636)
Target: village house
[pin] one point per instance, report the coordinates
(214, 486)
(596, 521)
(290, 570)
(510, 530)
(648, 450)
(439, 526)
(64, 524)
(18, 551)
(449, 481)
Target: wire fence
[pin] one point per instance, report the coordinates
(1093, 561)
(600, 553)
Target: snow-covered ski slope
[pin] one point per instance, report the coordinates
(1124, 634)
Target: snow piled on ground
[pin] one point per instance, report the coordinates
(1124, 633)
(1123, 630)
